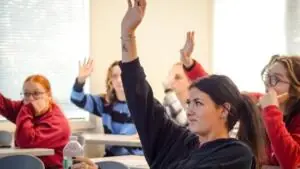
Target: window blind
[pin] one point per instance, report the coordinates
(293, 26)
(44, 37)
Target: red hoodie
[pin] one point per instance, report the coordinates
(51, 130)
(284, 147)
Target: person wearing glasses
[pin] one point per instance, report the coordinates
(40, 123)
(280, 107)
(214, 106)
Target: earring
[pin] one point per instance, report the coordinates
(223, 116)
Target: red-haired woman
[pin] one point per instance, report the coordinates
(40, 123)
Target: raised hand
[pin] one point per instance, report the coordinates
(187, 50)
(40, 106)
(85, 70)
(133, 17)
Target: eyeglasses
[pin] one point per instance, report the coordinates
(272, 80)
(35, 94)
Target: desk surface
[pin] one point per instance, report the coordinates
(115, 140)
(32, 151)
(132, 161)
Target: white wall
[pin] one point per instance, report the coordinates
(160, 36)
(293, 26)
(246, 35)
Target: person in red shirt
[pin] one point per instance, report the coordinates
(40, 123)
(281, 115)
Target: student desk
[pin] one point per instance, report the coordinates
(30, 151)
(114, 140)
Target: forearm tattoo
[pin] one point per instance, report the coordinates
(124, 48)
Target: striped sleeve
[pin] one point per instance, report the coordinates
(174, 108)
(88, 102)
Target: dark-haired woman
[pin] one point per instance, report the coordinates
(215, 105)
(280, 106)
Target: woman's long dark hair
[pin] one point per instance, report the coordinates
(222, 90)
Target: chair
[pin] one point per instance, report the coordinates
(111, 165)
(5, 139)
(21, 162)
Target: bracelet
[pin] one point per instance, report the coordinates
(128, 38)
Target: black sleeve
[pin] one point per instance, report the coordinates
(235, 156)
(162, 140)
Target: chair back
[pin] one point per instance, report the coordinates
(5, 138)
(21, 162)
(111, 165)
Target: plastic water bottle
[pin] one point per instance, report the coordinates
(72, 149)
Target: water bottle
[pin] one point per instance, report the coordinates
(72, 149)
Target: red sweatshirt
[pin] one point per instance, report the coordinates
(51, 130)
(195, 72)
(284, 147)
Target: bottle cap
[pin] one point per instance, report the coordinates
(73, 138)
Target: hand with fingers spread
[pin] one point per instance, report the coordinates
(133, 17)
(85, 70)
(187, 50)
(84, 163)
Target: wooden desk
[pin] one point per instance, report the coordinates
(32, 151)
(114, 140)
(132, 161)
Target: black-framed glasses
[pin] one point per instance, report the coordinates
(35, 94)
(272, 80)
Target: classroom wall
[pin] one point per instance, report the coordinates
(160, 36)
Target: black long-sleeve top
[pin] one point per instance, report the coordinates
(170, 146)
